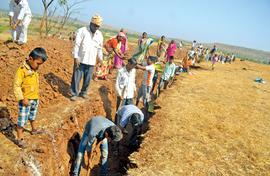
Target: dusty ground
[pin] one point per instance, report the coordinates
(53, 152)
(211, 123)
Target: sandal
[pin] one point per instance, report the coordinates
(35, 132)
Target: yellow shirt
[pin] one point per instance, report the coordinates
(26, 83)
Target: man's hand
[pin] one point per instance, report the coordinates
(25, 102)
(16, 24)
(76, 63)
(100, 62)
(13, 26)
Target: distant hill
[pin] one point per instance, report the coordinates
(244, 53)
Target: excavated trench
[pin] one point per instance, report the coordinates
(54, 152)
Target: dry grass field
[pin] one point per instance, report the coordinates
(211, 123)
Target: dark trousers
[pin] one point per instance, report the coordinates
(162, 84)
(85, 71)
(125, 101)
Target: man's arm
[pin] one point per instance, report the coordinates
(21, 15)
(140, 67)
(117, 84)
(76, 48)
(100, 52)
(11, 13)
(133, 77)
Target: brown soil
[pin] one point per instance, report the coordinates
(63, 121)
(209, 123)
(53, 152)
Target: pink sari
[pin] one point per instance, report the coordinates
(118, 62)
(171, 50)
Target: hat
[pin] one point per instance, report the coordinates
(121, 34)
(96, 19)
(115, 133)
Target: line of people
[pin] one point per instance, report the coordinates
(88, 46)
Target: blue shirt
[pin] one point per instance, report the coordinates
(125, 112)
(96, 127)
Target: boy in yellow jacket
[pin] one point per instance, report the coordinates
(26, 90)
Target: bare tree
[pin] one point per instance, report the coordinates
(46, 14)
(69, 8)
(49, 21)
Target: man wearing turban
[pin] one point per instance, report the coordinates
(87, 47)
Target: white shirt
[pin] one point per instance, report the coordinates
(88, 46)
(148, 75)
(193, 44)
(125, 112)
(125, 83)
(19, 11)
(191, 53)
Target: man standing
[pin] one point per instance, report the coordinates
(147, 83)
(97, 130)
(88, 45)
(125, 83)
(19, 20)
(167, 75)
(130, 119)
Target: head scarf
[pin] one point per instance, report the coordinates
(121, 34)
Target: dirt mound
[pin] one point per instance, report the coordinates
(63, 121)
(53, 152)
(54, 74)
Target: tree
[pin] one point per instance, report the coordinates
(46, 14)
(48, 21)
(69, 8)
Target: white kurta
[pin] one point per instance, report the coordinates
(125, 83)
(88, 46)
(21, 12)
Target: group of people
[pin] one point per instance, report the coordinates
(88, 46)
(198, 53)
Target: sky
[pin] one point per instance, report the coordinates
(237, 22)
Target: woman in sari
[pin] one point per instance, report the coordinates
(143, 48)
(171, 50)
(161, 48)
(118, 62)
(111, 48)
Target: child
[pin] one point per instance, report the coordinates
(26, 90)
(187, 62)
(167, 74)
(214, 60)
(147, 83)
